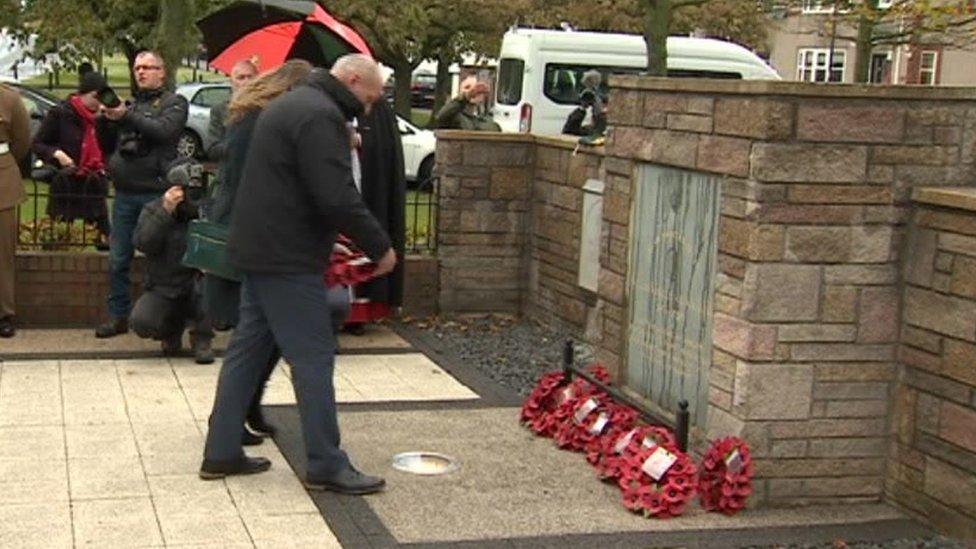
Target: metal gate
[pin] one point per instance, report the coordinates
(673, 262)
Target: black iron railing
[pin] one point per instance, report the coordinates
(681, 418)
(39, 230)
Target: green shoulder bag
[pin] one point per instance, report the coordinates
(206, 249)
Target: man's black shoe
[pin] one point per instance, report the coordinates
(202, 351)
(172, 345)
(112, 328)
(7, 329)
(213, 470)
(348, 481)
(257, 423)
(250, 439)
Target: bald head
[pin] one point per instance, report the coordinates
(362, 76)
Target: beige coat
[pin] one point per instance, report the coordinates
(15, 131)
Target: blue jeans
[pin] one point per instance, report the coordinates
(125, 215)
(293, 311)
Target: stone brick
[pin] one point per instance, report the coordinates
(964, 277)
(666, 102)
(789, 333)
(951, 486)
(690, 123)
(841, 352)
(840, 194)
(865, 244)
(856, 408)
(800, 214)
(611, 286)
(772, 391)
(857, 124)
(774, 292)
(943, 262)
(941, 282)
(819, 467)
(758, 118)
(618, 166)
(959, 457)
(958, 425)
(927, 411)
(957, 243)
(937, 385)
(920, 261)
(856, 371)
(947, 221)
(725, 155)
(732, 266)
(627, 108)
(918, 358)
(788, 449)
(742, 338)
(850, 390)
(720, 398)
(848, 447)
(510, 184)
(921, 339)
(671, 148)
(947, 135)
(839, 304)
(942, 314)
(933, 116)
(568, 198)
(788, 163)
(616, 208)
(959, 362)
(914, 155)
(880, 173)
(861, 275)
(878, 320)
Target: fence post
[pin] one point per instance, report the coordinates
(681, 425)
(568, 359)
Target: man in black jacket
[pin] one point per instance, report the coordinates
(172, 297)
(296, 194)
(143, 137)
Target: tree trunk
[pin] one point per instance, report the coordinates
(442, 91)
(862, 50)
(130, 51)
(657, 20)
(175, 19)
(403, 72)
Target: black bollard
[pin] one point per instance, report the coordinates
(681, 425)
(568, 359)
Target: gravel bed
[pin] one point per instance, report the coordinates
(512, 352)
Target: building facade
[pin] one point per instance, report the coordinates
(811, 43)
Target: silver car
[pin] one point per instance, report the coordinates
(202, 96)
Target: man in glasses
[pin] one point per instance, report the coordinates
(142, 138)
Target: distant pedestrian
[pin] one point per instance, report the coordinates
(298, 183)
(467, 110)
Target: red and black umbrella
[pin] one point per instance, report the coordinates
(274, 31)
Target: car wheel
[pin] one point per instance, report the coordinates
(425, 172)
(189, 145)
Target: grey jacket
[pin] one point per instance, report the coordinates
(162, 237)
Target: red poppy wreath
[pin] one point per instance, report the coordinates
(552, 402)
(726, 477)
(657, 481)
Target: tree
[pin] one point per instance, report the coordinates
(174, 33)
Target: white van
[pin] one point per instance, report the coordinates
(539, 71)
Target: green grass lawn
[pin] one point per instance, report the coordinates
(118, 77)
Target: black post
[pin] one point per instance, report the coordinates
(681, 425)
(568, 359)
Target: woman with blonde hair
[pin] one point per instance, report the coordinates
(222, 296)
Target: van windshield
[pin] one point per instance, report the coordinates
(510, 73)
(563, 82)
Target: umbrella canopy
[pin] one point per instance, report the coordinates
(276, 30)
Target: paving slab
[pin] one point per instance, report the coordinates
(513, 485)
(82, 344)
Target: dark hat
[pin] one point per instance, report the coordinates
(91, 81)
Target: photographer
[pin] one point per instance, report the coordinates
(467, 110)
(591, 105)
(172, 297)
(143, 136)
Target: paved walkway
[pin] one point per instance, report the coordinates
(104, 453)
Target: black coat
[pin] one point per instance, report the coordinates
(297, 191)
(63, 129)
(143, 142)
(384, 187)
(162, 238)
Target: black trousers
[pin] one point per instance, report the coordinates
(156, 316)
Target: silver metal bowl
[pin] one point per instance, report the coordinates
(425, 463)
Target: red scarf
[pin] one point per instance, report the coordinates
(92, 160)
